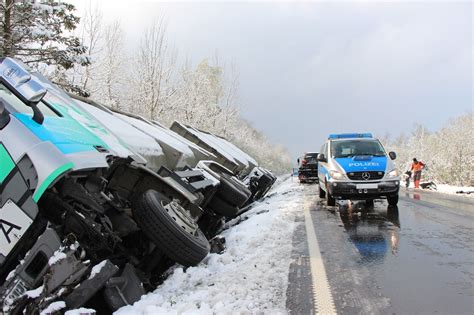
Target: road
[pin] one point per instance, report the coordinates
(411, 259)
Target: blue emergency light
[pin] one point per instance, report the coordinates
(350, 135)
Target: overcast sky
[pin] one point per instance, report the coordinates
(308, 69)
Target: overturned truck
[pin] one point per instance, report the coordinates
(96, 204)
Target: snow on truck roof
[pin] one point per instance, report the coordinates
(238, 153)
(133, 137)
(157, 133)
(209, 140)
(181, 138)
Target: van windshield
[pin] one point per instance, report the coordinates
(349, 148)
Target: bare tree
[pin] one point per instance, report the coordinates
(111, 77)
(91, 38)
(154, 69)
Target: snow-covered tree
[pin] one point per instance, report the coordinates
(447, 153)
(154, 67)
(110, 83)
(38, 33)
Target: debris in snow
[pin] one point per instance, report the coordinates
(97, 268)
(53, 307)
(33, 294)
(464, 192)
(254, 247)
(218, 244)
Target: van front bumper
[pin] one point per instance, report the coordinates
(355, 190)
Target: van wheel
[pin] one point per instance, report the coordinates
(171, 228)
(322, 193)
(392, 200)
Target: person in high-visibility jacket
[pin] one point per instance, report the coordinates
(416, 168)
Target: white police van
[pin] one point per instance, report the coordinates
(356, 166)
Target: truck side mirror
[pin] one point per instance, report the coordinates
(392, 155)
(16, 75)
(298, 161)
(4, 115)
(322, 158)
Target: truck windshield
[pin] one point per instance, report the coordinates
(311, 157)
(349, 148)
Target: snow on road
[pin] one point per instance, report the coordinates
(251, 276)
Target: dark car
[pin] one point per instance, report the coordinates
(308, 168)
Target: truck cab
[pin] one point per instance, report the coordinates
(356, 166)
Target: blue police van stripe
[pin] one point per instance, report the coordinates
(363, 163)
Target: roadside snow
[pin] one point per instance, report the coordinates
(448, 189)
(250, 277)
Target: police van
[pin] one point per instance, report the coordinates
(356, 166)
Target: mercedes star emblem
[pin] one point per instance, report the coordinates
(366, 175)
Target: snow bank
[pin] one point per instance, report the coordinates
(448, 189)
(250, 277)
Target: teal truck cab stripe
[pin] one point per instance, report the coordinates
(50, 179)
(66, 134)
(6, 163)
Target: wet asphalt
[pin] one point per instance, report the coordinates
(416, 258)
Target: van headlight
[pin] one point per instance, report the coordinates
(392, 173)
(336, 175)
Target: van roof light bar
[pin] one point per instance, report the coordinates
(350, 135)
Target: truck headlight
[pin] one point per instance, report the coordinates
(336, 175)
(392, 173)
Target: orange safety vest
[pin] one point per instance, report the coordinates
(417, 166)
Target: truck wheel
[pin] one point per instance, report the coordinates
(330, 200)
(322, 193)
(233, 192)
(392, 200)
(170, 228)
(222, 207)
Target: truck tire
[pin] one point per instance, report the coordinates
(330, 200)
(322, 193)
(170, 228)
(233, 192)
(392, 200)
(222, 207)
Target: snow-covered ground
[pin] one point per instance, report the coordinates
(449, 189)
(250, 277)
